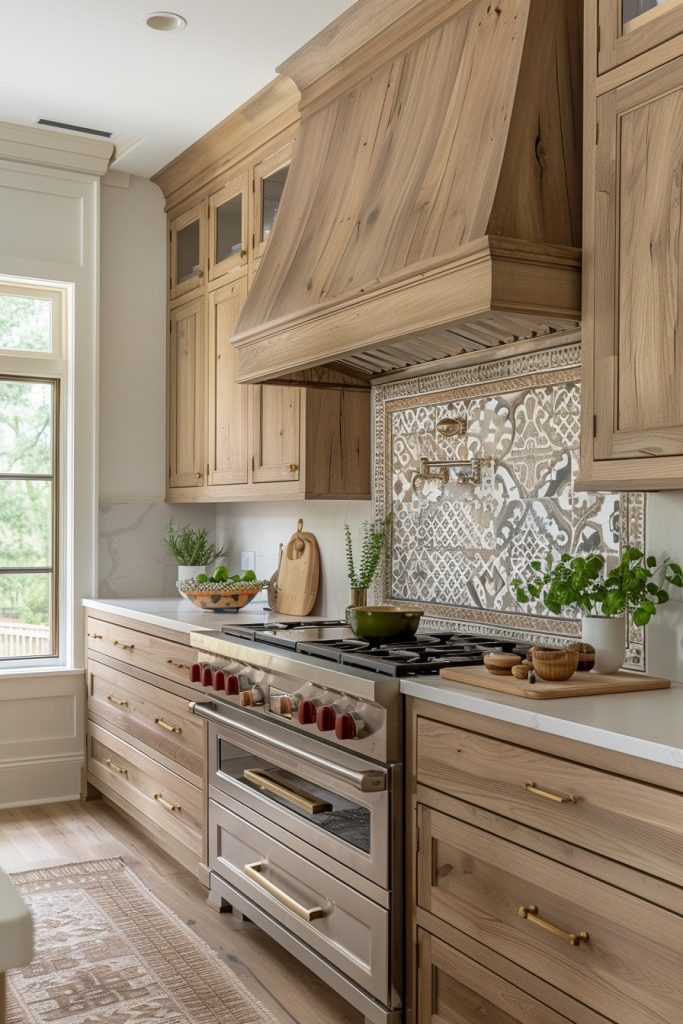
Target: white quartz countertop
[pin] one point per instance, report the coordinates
(648, 724)
(177, 613)
(16, 927)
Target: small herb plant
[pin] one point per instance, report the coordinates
(637, 584)
(190, 545)
(373, 538)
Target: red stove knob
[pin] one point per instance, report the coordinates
(219, 679)
(307, 712)
(325, 718)
(196, 672)
(349, 726)
(232, 685)
(207, 676)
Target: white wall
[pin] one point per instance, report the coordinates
(260, 528)
(132, 423)
(665, 632)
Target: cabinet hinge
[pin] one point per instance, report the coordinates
(595, 426)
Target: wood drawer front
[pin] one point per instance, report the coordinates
(147, 785)
(454, 989)
(627, 821)
(160, 720)
(164, 657)
(629, 969)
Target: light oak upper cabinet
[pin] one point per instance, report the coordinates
(186, 395)
(629, 28)
(228, 228)
(269, 180)
(277, 433)
(632, 436)
(188, 250)
(228, 402)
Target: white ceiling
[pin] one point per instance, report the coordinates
(95, 63)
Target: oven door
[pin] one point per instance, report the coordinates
(336, 804)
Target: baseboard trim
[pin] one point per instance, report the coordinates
(40, 780)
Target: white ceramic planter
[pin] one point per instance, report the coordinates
(186, 572)
(608, 637)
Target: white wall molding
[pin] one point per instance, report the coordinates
(50, 148)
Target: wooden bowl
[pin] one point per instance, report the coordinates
(586, 654)
(554, 664)
(220, 597)
(500, 664)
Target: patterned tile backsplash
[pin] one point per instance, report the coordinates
(456, 546)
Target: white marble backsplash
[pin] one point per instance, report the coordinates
(133, 561)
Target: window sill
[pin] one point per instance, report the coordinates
(38, 671)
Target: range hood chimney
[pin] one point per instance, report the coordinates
(433, 205)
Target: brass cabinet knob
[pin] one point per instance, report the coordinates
(198, 476)
(293, 467)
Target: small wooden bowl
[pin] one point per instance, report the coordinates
(500, 664)
(521, 671)
(586, 654)
(554, 664)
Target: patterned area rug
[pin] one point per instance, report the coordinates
(108, 952)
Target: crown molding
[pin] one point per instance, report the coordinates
(62, 151)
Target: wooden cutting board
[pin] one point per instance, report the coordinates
(298, 574)
(581, 684)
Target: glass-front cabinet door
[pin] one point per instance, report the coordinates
(631, 27)
(228, 228)
(188, 250)
(270, 177)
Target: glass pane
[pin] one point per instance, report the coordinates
(630, 9)
(25, 523)
(229, 228)
(188, 252)
(25, 323)
(25, 615)
(25, 426)
(272, 187)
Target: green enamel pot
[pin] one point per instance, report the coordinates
(379, 623)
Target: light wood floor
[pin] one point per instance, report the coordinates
(38, 837)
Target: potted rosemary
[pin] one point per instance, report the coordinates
(191, 549)
(373, 539)
(636, 586)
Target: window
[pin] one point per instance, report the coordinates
(31, 375)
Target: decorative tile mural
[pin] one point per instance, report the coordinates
(456, 546)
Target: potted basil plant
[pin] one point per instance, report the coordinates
(635, 586)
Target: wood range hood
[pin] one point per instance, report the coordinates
(433, 204)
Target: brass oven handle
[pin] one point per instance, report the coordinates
(116, 700)
(294, 795)
(559, 798)
(165, 803)
(177, 664)
(110, 764)
(167, 726)
(124, 647)
(531, 914)
(253, 871)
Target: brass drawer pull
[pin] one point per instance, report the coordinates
(559, 798)
(293, 467)
(531, 914)
(167, 726)
(178, 664)
(165, 803)
(110, 764)
(95, 636)
(116, 700)
(254, 870)
(124, 647)
(292, 794)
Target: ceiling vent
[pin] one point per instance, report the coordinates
(97, 132)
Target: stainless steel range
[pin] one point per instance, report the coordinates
(305, 791)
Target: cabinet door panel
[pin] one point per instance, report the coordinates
(277, 433)
(227, 400)
(270, 176)
(639, 268)
(228, 229)
(188, 250)
(186, 396)
(631, 27)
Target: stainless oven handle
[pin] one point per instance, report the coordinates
(370, 781)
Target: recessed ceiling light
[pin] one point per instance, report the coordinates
(166, 21)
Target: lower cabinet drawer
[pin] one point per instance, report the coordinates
(607, 949)
(149, 714)
(166, 658)
(454, 989)
(170, 804)
(346, 928)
